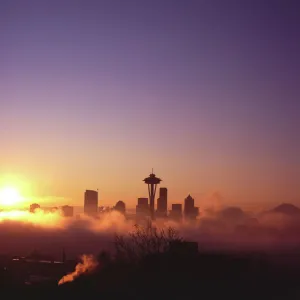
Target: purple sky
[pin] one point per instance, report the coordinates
(93, 94)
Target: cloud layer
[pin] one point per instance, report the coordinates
(229, 229)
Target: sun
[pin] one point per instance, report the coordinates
(9, 196)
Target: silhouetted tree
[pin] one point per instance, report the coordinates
(144, 241)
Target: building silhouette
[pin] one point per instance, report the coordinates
(120, 207)
(152, 181)
(33, 207)
(176, 212)
(91, 203)
(142, 208)
(190, 211)
(162, 203)
(67, 211)
(51, 209)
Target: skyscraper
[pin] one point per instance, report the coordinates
(190, 211)
(142, 208)
(91, 203)
(67, 211)
(162, 202)
(176, 212)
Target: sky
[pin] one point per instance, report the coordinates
(94, 94)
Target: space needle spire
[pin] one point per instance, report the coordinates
(152, 181)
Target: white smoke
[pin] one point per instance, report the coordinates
(88, 264)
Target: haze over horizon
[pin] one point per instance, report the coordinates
(95, 95)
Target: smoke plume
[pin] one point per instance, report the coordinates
(87, 265)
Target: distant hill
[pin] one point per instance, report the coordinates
(286, 209)
(232, 212)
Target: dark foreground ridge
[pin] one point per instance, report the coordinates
(173, 276)
(160, 265)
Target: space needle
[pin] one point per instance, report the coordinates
(152, 181)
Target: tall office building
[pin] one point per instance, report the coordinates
(176, 212)
(190, 211)
(67, 211)
(91, 203)
(162, 202)
(142, 208)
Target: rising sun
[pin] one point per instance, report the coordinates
(9, 196)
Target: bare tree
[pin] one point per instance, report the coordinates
(145, 240)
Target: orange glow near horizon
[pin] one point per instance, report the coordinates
(40, 218)
(16, 192)
(10, 196)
